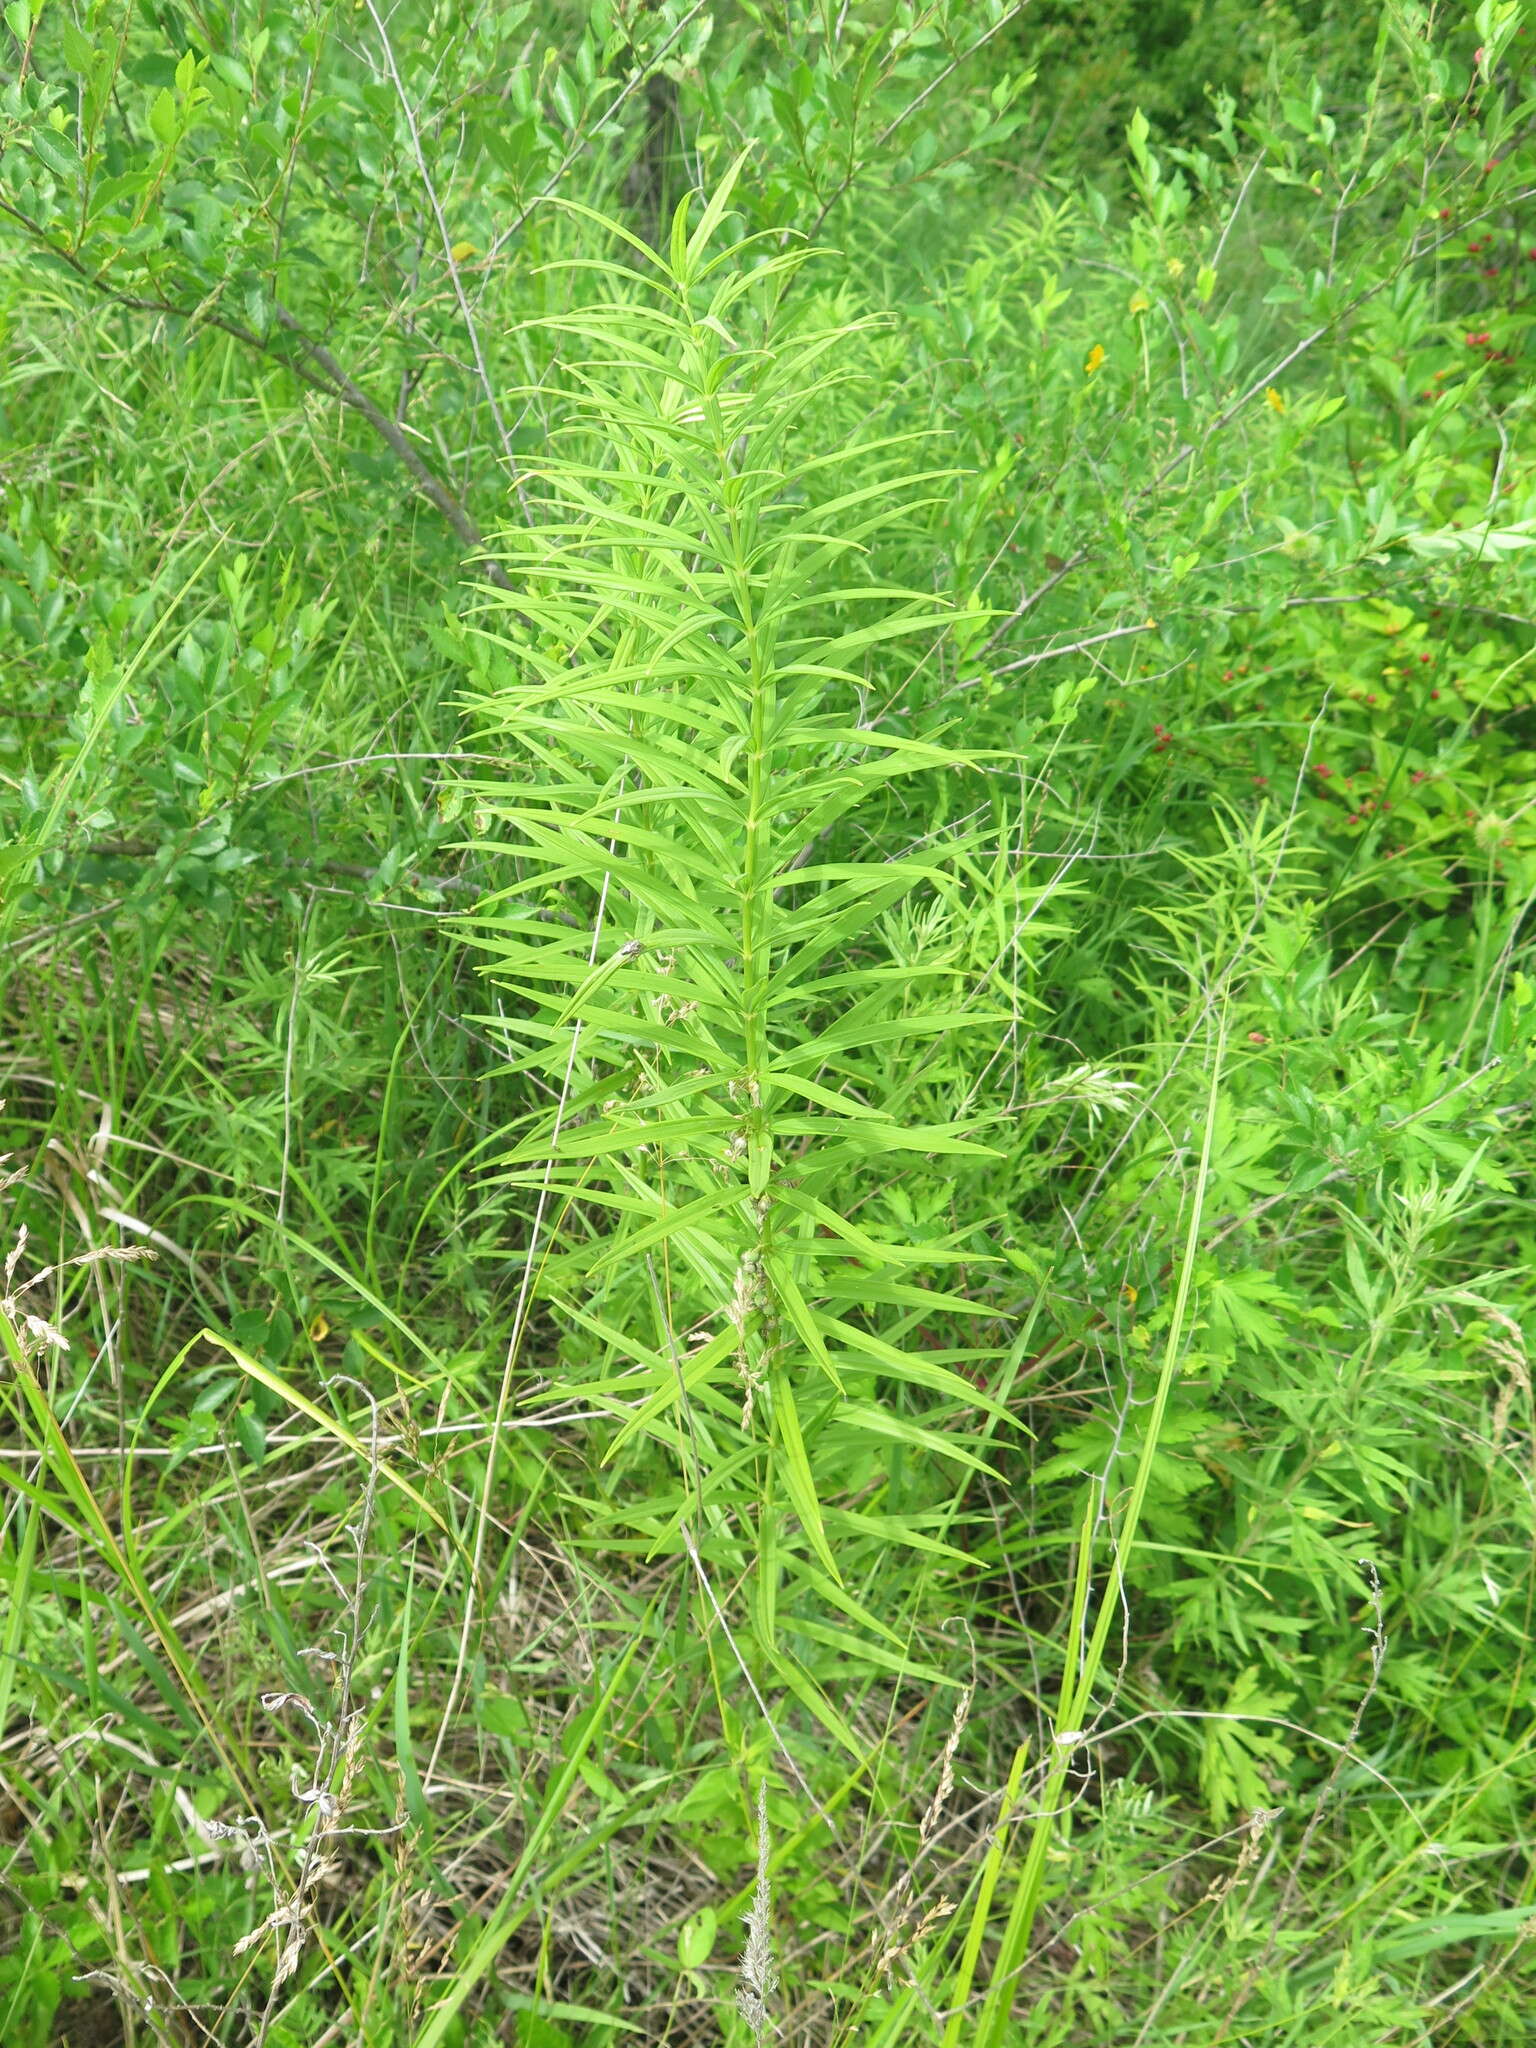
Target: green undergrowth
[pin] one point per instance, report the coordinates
(766, 1027)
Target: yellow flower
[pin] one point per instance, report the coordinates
(1141, 303)
(1095, 359)
(1273, 400)
(1175, 267)
(462, 251)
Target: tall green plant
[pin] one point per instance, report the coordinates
(678, 680)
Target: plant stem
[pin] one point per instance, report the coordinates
(1076, 1695)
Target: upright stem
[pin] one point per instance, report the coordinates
(1078, 1680)
(757, 904)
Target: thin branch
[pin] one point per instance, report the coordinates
(1003, 21)
(431, 486)
(482, 371)
(583, 141)
(327, 377)
(1229, 413)
(1291, 604)
(1009, 668)
(1237, 207)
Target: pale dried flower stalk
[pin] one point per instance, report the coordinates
(1255, 1829)
(759, 1976)
(901, 1937)
(338, 1728)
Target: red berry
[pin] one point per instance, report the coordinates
(1434, 696)
(1320, 770)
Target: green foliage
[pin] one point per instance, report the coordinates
(766, 1023)
(694, 639)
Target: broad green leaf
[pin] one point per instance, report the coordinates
(56, 153)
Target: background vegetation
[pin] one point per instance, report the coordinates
(769, 811)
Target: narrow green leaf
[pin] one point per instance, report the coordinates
(801, 1315)
(798, 1481)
